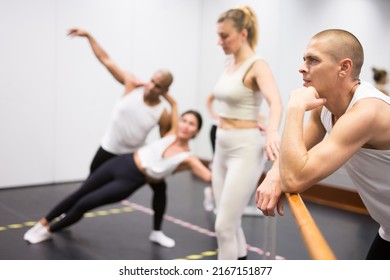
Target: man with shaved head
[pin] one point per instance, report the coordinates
(355, 118)
(136, 113)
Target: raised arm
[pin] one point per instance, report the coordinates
(197, 168)
(121, 76)
(174, 116)
(164, 123)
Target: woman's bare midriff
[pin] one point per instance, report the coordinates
(138, 163)
(227, 124)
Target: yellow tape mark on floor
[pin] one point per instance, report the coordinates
(15, 226)
(86, 215)
(89, 215)
(194, 257)
(209, 253)
(102, 213)
(199, 256)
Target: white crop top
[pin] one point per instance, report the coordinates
(130, 124)
(152, 160)
(233, 99)
(369, 168)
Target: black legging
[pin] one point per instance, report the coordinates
(379, 250)
(159, 198)
(213, 136)
(112, 182)
(100, 157)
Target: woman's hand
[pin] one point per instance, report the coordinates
(272, 144)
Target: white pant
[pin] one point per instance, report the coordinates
(237, 166)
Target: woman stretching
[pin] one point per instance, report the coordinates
(121, 176)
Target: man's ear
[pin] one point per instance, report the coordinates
(345, 67)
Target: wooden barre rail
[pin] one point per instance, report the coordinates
(315, 242)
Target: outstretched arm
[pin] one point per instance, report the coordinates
(121, 76)
(197, 168)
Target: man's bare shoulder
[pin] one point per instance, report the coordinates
(371, 116)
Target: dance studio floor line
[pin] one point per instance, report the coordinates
(121, 231)
(192, 227)
(131, 206)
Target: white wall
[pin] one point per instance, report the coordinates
(56, 99)
(27, 91)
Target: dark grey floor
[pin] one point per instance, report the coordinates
(120, 231)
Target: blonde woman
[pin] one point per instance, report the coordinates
(241, 148)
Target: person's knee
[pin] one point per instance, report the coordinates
(225, 230)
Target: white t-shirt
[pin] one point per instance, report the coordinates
(131, 122)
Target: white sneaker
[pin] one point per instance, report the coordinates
(28, 233)
(37, 234)
(208, 201)
(160, 238)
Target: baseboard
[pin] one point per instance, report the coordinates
(335, 197)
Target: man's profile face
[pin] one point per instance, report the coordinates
(319, 68)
